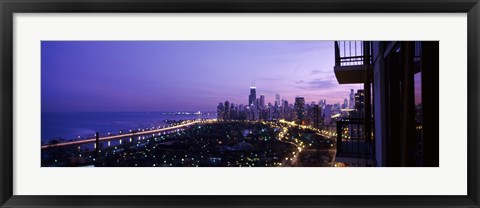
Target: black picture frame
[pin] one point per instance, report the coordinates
(9, 7)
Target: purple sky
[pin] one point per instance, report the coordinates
(81, 76)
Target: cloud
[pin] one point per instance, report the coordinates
(325, 88)
(322, 84)
(316, 71)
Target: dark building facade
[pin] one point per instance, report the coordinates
(299, 109)
(220, 111)
(252, 98)
(226, 114)
(360, 100)
(317, 116)
(393, 121)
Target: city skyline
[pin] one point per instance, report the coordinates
(198, 74)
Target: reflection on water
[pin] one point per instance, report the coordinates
(71, 125)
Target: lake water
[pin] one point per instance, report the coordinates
(63, 125)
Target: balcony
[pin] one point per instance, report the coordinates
(352, 62)
(354, 148)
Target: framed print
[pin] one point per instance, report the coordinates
(234, 103)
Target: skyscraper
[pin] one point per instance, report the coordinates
(233, 112)
(277, 100)
(345, 104)
(322, 103)
(220, 111)
(249, 113)
(262, 101)
(284, 110)
(241, 111)
(328, 115)
(299, 109)
(317, 116)
(352, 99)
(226, 114)
(253, 96)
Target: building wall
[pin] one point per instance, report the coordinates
(380, 109)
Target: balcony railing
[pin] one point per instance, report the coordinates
(351, 53)
(352, 62)
(353, 145)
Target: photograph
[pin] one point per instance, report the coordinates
(235, 103)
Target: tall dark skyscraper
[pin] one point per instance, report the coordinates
(226, 114)
(252, 98)
(233, 111)
(317, 116)
(220, 111)
(284, 112)
(262, 101)
(299, 109)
